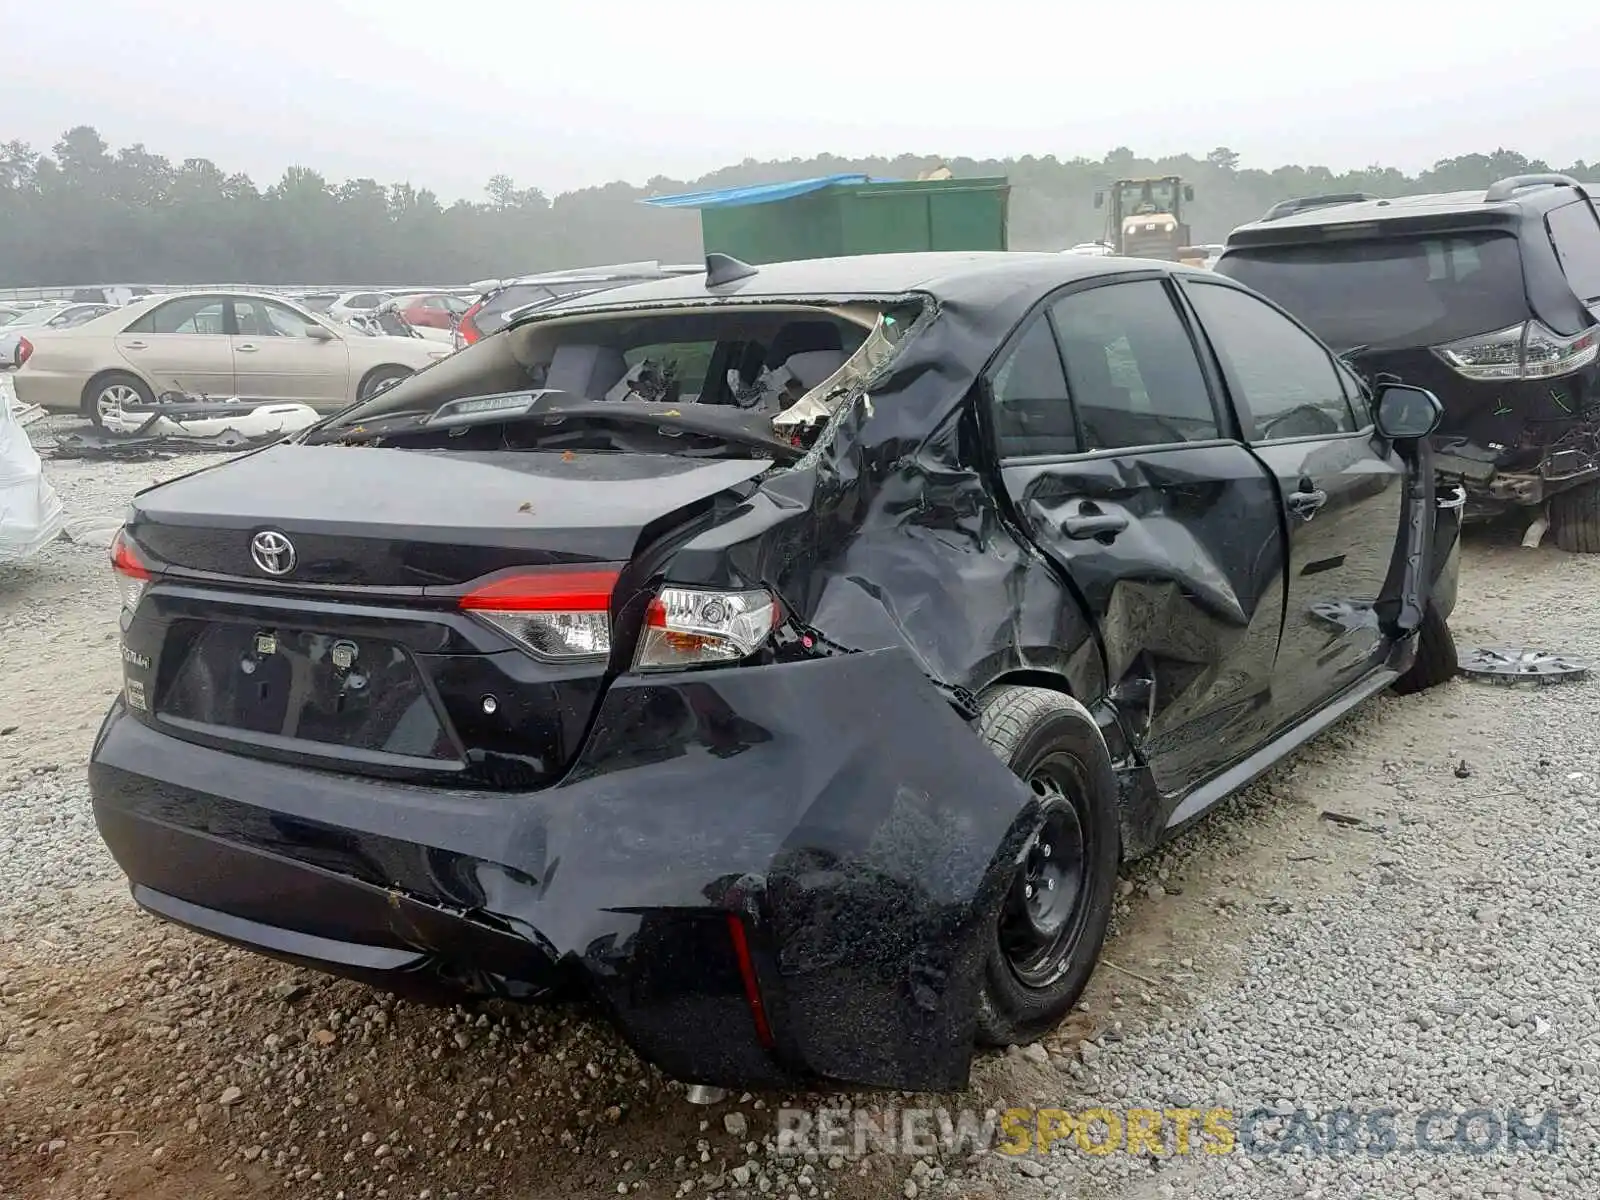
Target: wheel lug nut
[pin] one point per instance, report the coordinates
(1049, 885)
(1028, 891)
(1045, 849)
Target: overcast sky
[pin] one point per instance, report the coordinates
(445, 93)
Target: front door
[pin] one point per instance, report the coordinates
(1129, 475)
(182, 346)
(275, 358)
(1341, 491)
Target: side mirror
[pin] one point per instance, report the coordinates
(1099, 199)
(1405, 412)
(318, 334)
(1188, 192)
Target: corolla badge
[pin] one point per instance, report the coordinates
(272, 552)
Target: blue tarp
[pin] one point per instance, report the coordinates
(761, 193)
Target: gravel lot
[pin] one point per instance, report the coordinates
(1432, 945)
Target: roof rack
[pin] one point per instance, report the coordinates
(1287, 208)
(1508, 187)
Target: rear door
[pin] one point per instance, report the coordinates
(1341, 490)
(1128, 474)
(182, 345)
(275, 359)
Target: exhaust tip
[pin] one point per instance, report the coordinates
(700, 1093)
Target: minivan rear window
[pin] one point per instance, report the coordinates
(1391, 293)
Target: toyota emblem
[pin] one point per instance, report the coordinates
(272, 552)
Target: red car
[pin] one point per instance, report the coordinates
(437, 311)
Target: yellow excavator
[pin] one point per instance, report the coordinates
(1144, 219)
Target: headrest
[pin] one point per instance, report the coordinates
(587, 371)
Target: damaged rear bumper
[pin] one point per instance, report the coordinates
(764, 875)
(1490, 490)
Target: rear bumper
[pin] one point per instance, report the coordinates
(839, 809)
(53, 390)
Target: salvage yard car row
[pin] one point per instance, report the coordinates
(786, 656)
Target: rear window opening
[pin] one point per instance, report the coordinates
(1391, 293)
(750, 373)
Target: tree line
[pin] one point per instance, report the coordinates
(83, 213)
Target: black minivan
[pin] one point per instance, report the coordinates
(1489, 299)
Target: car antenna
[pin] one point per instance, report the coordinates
(722, 269)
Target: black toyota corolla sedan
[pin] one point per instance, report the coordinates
(782, 657)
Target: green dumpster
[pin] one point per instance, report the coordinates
(849, 214)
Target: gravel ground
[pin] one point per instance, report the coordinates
(1424, 947)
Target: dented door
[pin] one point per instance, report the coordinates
(1127, 475)
(1341, 492)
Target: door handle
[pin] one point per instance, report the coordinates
(245, 346)
(1306, 504)
(1092, 521)
(134, 345)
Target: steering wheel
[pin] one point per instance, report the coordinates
(1322, 422)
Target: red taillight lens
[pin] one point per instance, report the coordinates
(24, 350)
(132, 574)
(469, 331)
(563, 614)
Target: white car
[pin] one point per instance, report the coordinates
(353, 304)
(220, 344)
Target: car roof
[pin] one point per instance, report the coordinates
(1424, 210)
(953, 275)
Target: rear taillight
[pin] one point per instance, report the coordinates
(1527, 351)
(558, 614)
(690, 627)
(24, 350)
(133, 576)
(467, 329)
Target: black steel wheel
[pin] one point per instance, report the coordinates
(1052, 921)
(1044, 910)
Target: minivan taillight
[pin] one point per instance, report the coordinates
(1531, 350)
(24, 350)
(133, 576)
(558, 614)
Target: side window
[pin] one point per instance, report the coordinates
(1032, 414)
(284, 321)
(193, 314)
(1131, 368)
(1575, 234)
(1289, 382)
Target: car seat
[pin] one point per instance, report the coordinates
(586, 371)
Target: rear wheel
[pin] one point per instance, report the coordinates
(380, 378)
(1047, 936)
(1575, 513)
(1436, 655)
(108, 394)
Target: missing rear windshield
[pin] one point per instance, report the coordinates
(1391, 293)
(747, 373)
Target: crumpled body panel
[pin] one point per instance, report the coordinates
(840, 806)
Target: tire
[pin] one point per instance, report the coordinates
(381, 377)
(112, 390)
(1035, 969)
(1576, 515)
(1436, 656)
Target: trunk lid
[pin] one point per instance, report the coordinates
(363, 516)
(359, 657)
